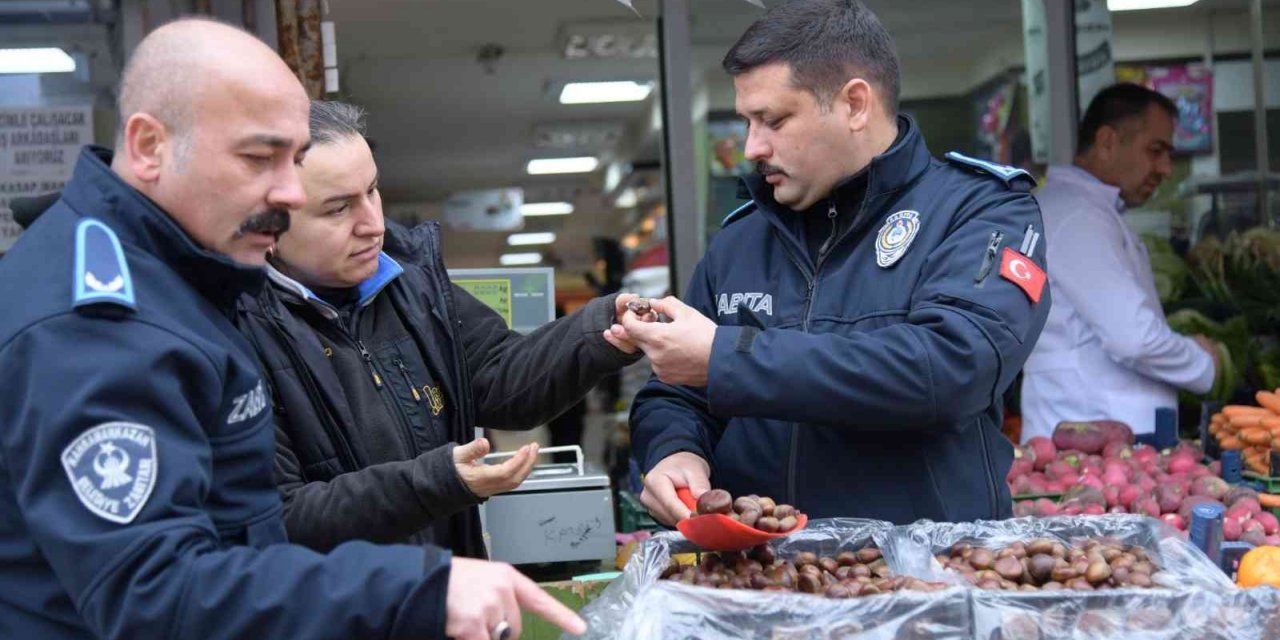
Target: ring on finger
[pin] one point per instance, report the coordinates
(500, 631)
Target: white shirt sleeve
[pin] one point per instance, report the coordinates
(1093, 272)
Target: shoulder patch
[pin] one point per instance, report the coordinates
(101, 272)
(738, 214)
(112, 468)
(1010, 175)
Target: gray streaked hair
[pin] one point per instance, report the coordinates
(332, 121)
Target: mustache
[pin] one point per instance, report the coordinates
(273, 221)
(766, 169)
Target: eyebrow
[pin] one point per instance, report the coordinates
(347, 196)
(275, 142)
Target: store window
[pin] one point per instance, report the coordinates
(1210, 226)
(57, 71)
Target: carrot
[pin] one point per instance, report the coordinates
(1231, 442)
(1256, 436)
(1269, 500)
(1234, 410)
(1240, 423)
(1268, 400)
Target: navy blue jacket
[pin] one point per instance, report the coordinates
(851, 389)
(136, 449)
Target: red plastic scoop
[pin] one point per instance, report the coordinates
(718, 532)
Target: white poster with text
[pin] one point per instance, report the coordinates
(38, 151)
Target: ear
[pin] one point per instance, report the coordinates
(857, 99)
(1106, 139)
(147, 144)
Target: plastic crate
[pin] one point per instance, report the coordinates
(1056, 497)
(1265, 484)
(632, 516)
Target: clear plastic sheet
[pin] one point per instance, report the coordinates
(674, 610)
(912, 548)
(645, 606)
(1200, 602)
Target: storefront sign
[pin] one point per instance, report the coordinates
(1036, 45)
(1191, 89)
(488, 210)
(38, 151)
(1095, 63)
(630, 40)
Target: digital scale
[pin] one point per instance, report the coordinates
(562, 512)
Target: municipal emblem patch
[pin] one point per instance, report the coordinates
(112, 468)
(895, 236)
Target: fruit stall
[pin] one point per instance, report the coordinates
(1101, 546)
(1095, 468)
(1112, 576)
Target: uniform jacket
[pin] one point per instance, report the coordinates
(858, 384)
(136, 449)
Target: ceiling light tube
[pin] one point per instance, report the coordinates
(546, 208)
(547, 166)
(39, 60)
(526, 239)
(604, 92)
(1138, 5)
(517, 259)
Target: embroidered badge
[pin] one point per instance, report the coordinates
(435, 398)
(112, 468)
(895, 237)
(1020, 270)
(102, 273)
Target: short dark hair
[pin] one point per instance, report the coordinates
(332, 121)
(825, 43)
(1115, 105)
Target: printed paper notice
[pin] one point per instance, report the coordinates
(495, 294)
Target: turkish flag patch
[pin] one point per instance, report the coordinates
(1020, 270)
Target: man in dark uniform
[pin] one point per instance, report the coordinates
(136, 438)
(867, 309)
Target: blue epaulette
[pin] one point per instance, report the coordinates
(101, 272)
(1010, 175)
(738, 214)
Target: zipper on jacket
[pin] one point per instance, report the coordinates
(989, 257)
(368, 361)
(811, 294)
(991, 485)
(393, 405)
(831, 215)
(417, 397)
(346, 455)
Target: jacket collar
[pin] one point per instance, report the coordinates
(888, 172)
(388, 271)
(1088, 186)
(96, 191)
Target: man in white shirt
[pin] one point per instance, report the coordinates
(1106, 351)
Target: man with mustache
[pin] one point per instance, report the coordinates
(136, 434)
(380, 369)
(850, 332)
(1106, 351)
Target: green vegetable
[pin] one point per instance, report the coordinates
(1170, 271)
